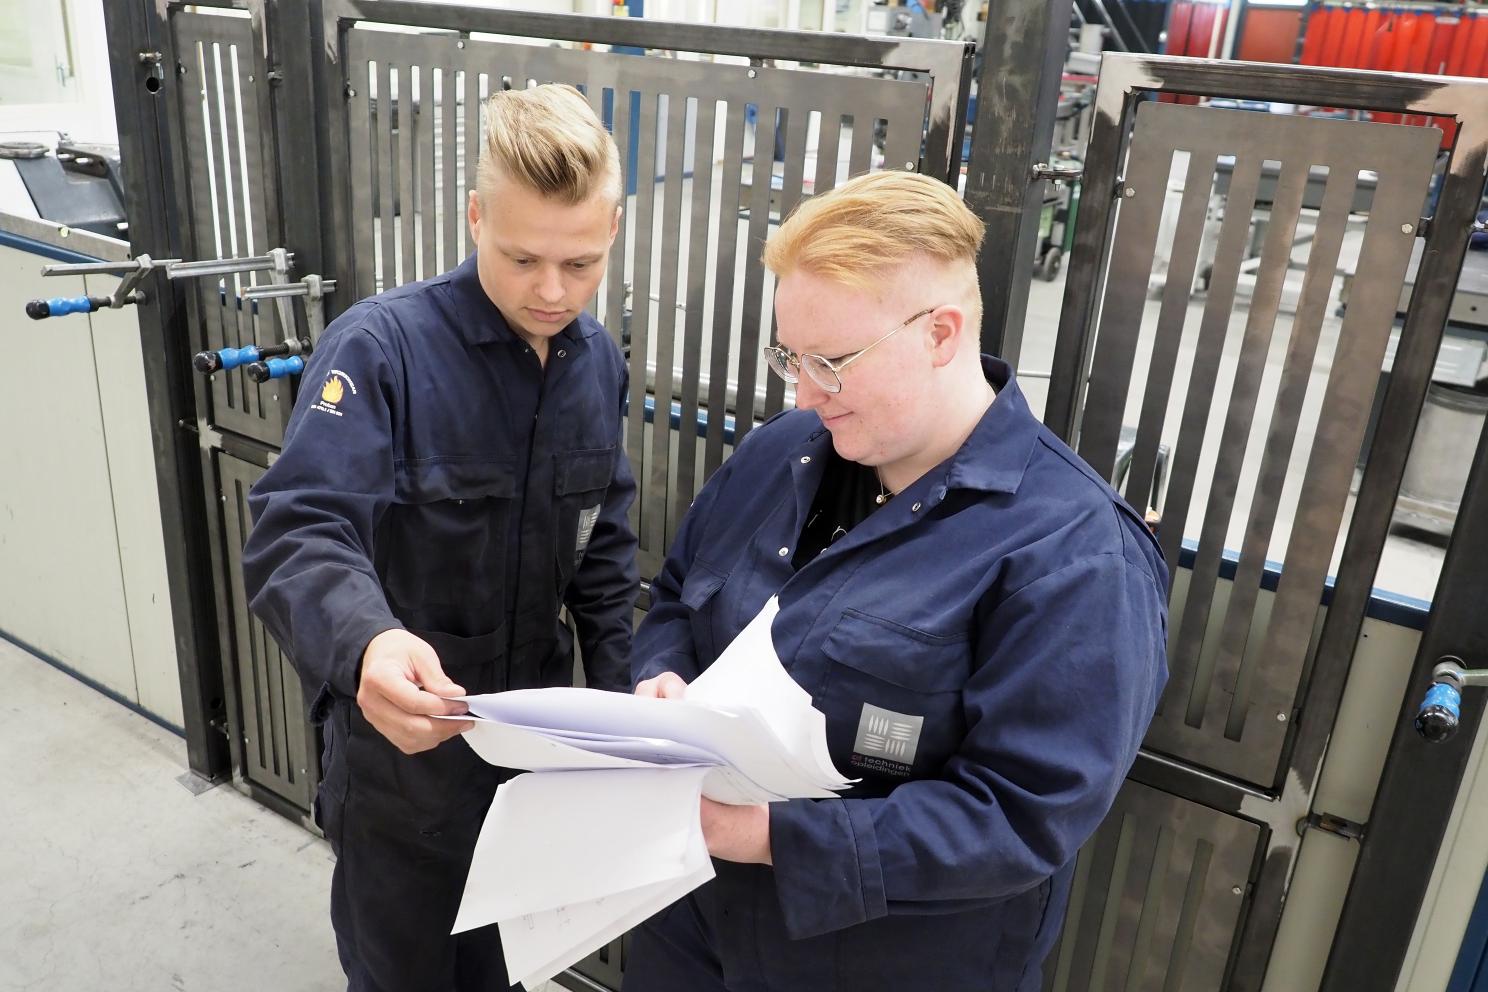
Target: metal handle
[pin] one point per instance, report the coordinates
(1440, 712)
(277, 260)
(276, 368)
(208, 362)
(270, 291)
(62, 306)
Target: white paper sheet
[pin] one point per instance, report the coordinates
(566, 863)
(607, 830)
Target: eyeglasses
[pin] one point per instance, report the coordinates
(825, 372)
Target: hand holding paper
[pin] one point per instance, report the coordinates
(567, 862)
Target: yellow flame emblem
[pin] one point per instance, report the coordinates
(332, 391)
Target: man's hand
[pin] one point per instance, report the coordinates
(402, 688)
(667, 685)
(737, 833)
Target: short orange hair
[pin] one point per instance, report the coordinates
(851, 233)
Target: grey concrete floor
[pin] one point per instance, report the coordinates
(116, 876)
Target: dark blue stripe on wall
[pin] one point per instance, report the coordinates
(43, 249)
(1389, 607)
(1470, 974)
(91, 683)
(676, 419)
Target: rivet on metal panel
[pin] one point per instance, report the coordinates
(1407, 228)
(1129, 192)
(1236, 890)
(459, 44)
(250, 77)
(909, 165)
(1281, 718)
(180, 68)
(753, 73)
(350, 93)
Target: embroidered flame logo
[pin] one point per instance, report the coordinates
(332, 391)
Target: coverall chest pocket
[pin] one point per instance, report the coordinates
(580, 479)
(699, 590)
(893, 698)
(442, 545)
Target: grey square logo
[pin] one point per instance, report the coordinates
(890, 736)
(587, 519)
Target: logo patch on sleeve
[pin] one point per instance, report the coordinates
(333, 392)
(886, 741)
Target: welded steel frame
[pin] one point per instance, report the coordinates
(1023, 51)
(943, 61)
(146, 80)
(1125, 80)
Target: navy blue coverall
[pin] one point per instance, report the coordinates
(988, 648)
(435, 477)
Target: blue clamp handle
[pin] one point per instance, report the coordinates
(62, 306)
(276, 368)
(231, 358)
(207, 362)
(1440, 712)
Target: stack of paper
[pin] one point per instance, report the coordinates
(607, 833)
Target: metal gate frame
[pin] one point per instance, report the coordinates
(300, 88)
(1124, 80)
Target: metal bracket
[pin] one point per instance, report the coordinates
(312, 287)
(1449, 668)
(1329, 823)
(1057, 173)
(208, 437)
(133, 274)
(277, 263)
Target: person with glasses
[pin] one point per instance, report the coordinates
(979, 616)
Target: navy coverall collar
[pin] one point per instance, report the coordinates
(483, 323)
(996, 454)
(992, 459)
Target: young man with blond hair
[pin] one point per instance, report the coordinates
(451, 477)
(979, 616)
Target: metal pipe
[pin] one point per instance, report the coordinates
(270, 291)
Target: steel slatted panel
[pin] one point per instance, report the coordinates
(1236, 676)
(275, 733)
(728, 151)
(233, 204)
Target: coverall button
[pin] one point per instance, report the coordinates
(915, 508)
(562, 353)
(784, 552)
(805, 459)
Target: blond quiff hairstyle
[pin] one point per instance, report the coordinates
(851, 234)
(548, 139)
